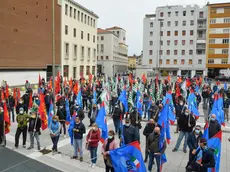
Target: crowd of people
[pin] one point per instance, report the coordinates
(150, 93)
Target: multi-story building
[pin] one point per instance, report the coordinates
(112, 51)
(79, 40)
(218, 57)
(26, 40)
(132, 62)
(174, 40)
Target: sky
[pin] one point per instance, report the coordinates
(129, 15)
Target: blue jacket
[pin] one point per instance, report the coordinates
(55, 128)
(81, 128)
(193, 140)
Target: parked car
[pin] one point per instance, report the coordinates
(221, 78)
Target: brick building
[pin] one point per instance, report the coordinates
(26, 39)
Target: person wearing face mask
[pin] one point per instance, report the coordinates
(205, 96)
(214, 126)
(55, 128)
(20, 105)
(185, 123)
(117, 112)
(154, 149)
(22, 120)
(11, 104)
(34, 130)
(147, 131)
(61, 113)
(179, 109)
(2, 126)
(193, 142)
(26, 100)
(47, 101)
(92, 140)
(108, 145)
(79, 130)
(130, 133)
(93, 114)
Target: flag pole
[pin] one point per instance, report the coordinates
(53, 50)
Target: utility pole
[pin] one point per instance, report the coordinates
(53, 50)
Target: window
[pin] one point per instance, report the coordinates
(175, 33)
(227, 20)
(74, 13)
(176, 13)
(182, 61)
(91, 22)
(212, 21)
(176, 23)
(190, 52)
(161, 14)
(82, 51)
(94, 53)
(225, 41)
(161, 24)
(168, 52)
(66, 71)
(102, 58)
(67, 49)
(75, 50)
(66, 29)
(168, 33)
(160, 61)
(150, 43)
(210, 61)
(183, 42)
(82, 17)
(88, 37)
(82, 35)
(191, 22)
(160, 52)
(226, 30)
(66, 9)
(150, 52)
(150, 61)
(70, 11)
(102, 38)
(161, 33)
(182, 52)
(192, 12)
(151, 24)
(168, 42)
(199, 61)
(224, 61)
(74, 72)
(169, 14)
(102, 48)
(184, 13)
(93, 70)
(175, 52)
(169, 23)
(212, 41)
(167, 61)
(183, 33)
(190, 61)
(175, 61)
(94, 23)
(184, 23)
(191, 42)
(81, 70)
(87, 70)
(89, 53)
(107, 57)
(175, 42)
(191, 32)
(88, 20)
(78, 15)
(201, 14)
(224, 51)
(85, 19)
(74, 32)
(211, 51)
(93, 38)
(161, 42)
(151, 34)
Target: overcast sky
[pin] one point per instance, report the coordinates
(129, 15)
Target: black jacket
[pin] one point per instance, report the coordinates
(193, 140)
(11, 101)
(179, 109)
(130, 134)
(116, 113)
(26, 99)
(205, 94)
(32, 125)
(61, 113)
(81, 128)
(153, 144)
(183, 123)
(214, 127)
(148, 129)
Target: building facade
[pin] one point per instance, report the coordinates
(132, 62)
(26, 40)
(174, 40)
(112, 51)
(218, 57)
(79, 40)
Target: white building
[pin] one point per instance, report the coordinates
(79, 40)
(112, 51)
(174, 40)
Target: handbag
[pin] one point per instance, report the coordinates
(108, 161)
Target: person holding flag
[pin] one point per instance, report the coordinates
(214, 126)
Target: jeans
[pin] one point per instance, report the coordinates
(151, 159)
(85, 103)
(226, 113)
(146, 109)
(77, 144)
(205, 103)
(93, 154)
(64, 127)
(12, 110)
(116, 123)
(36, 135)
(17, 135)
(181, 136)
(55, 142)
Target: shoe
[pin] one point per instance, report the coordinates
(29, 148)
(39, 148)
(74, 157)
(93, 165)
(24, 146)
(185, 151)
(174, 150)
(176, 132)
(81, 159)
(145, 160)
(16, 147)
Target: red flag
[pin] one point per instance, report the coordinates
(31, 101)
(42, 112)
(71, 83)
(7, 91)
(130, 80)
(39, 80)
(65, 82)
(144, 78)
(2, 95)
(50, 83)
(188, 83)
(177, 89)
(75, 88)
(19, 94)
(6, 119)
(90, 78)
(57, 84)
(15, 97)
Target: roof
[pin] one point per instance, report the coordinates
(114, 28)
(99, 30)
(219, 4)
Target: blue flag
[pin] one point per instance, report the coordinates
(68, 117)
(71, 127)
(124, 100)
(94, 95)
(139, 107)
(51, 113)
(128, 158)
(79, 99)
(225, 86)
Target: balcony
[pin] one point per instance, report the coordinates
(201, 27)
(200, 46)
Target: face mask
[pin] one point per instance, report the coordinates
(55, 120)
(110, 137)
(181, 103)
(20, 102)
(213, 119)
(94, 128)
(21, 112)
(127, 124)
(197, 132)
(1, 111)
(77, 122)
(61, 107)
(156, 133)
(186, 113)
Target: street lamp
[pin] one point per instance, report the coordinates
(159, 55)
(53, 49)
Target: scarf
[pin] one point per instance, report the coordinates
(108, 144)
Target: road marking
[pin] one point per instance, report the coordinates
(16, 165)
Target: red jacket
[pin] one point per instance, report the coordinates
(93, 137)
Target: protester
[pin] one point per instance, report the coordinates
(11, 104)
(214, 126)
(79, 130)
(20, 105)
(93, 114)
(2, 126)
(117, 112)
(179, 109)
(108, 145)
(55, 128)
(92, 139)
(61, 113)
